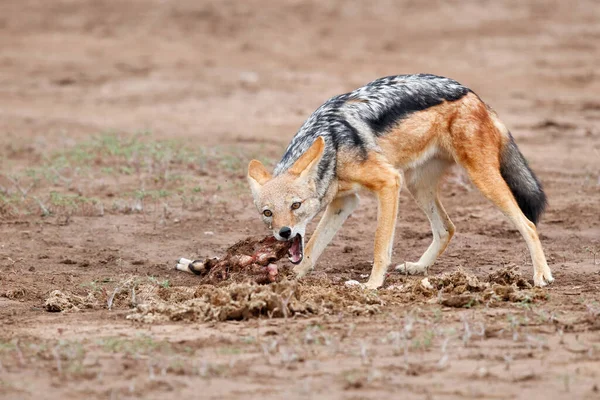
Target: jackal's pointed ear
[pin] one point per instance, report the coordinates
(309, 161)
(257, 175)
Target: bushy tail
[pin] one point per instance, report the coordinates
(522, 182)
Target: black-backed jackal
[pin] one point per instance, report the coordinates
(400, 129)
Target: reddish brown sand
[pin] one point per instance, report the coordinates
(216, 83)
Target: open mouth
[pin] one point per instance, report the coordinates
(296, 251)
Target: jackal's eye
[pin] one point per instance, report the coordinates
(268, 213)
(296, 205)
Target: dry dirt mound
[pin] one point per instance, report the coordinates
(460, 289)
(59, 301)
(239, 301)
(151, 302)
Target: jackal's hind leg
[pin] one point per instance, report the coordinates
(492, 185)
(423, 185)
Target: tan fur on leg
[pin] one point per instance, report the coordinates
(377, 175)
(335, 215)
(423, 184)
(477, 141)
(494, 188)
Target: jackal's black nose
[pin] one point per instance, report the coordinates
(285, 232)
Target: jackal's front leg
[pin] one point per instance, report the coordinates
(387, 213)
(336, 213)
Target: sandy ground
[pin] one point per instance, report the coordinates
(125, 130)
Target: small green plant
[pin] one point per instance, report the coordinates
(229, 350)
(164, 283)
(425, 341)
(140, 345)
(594, 250)
(526, 303)
(92, 286)
(130, 169)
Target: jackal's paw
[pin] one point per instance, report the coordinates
(538, 280)
(411, 268)
(356, 284)
(541, 280)
(302, 269)
(373, 284)
(548, 276)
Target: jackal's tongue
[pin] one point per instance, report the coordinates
(295, 251)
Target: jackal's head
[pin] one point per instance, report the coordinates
(289, 201)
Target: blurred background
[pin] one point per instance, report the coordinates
(126, 127)
(126, 107)
(121, 108)
(223, 71)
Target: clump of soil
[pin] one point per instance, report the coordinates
(509, 276)
(460, 289)
(126, 294)
(238, 301)
(59, 301)
(14, 293)
(457, 282)
(249, 260)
